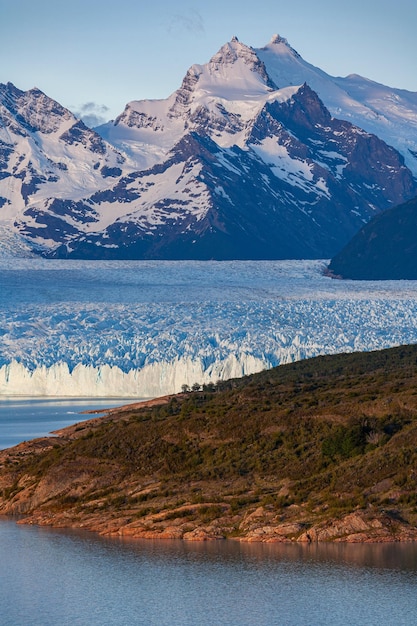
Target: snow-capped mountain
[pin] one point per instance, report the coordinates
(220, 99)
(286, 194)
(231, 88)
(389, 113)
(254, 156)
(46, 154)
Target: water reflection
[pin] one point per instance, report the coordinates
(399, 556)
(73, 577)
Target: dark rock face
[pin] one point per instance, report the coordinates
(249, 213)
(80, 134)
(112, 172)
(384, 249)
(274, 176)
(31, 111)
(251, 210)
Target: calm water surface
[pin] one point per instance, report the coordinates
(26, 418)
(58, 578)
(53, 578)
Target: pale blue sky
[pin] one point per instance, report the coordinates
(106, 53)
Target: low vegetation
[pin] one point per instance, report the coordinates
(295, 449)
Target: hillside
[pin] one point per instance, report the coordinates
(384, 249)
(323, 449)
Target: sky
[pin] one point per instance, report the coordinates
(95, 56)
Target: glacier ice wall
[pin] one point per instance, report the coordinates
(143, 329)
(152, 380)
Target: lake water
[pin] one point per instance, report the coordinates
(56, 577)
(26, 418)
(144, 313)
(50, 578)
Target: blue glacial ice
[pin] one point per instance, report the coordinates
(145, 328)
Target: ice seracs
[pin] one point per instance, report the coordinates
(142, 329)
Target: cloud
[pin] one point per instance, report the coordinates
(189, 21)
(92, 114)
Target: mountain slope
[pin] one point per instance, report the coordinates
(236, 78)
(229, 166)
(280, 197)
(384, 249)
(46, 154)
(219, 99)
(319, 450)
(284, 195)
(389, 113)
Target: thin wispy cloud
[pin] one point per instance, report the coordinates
(189, 21)
(92, 114)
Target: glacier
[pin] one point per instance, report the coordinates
(139, 329)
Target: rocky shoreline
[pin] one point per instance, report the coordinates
(253, 524)
(358, 527)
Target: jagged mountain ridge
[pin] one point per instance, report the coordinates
(251, 203)
(229, 166)
(46, 154)
(219, 99)
(389, 113)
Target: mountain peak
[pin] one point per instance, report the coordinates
(232, 73)
(231, 51)
(9, 88)
(32, 110)
(278, 41)
(235, 51)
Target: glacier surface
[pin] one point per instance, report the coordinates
(145, 328)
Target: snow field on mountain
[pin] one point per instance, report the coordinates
(145, 328)
(296, 172)
(389, 113)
